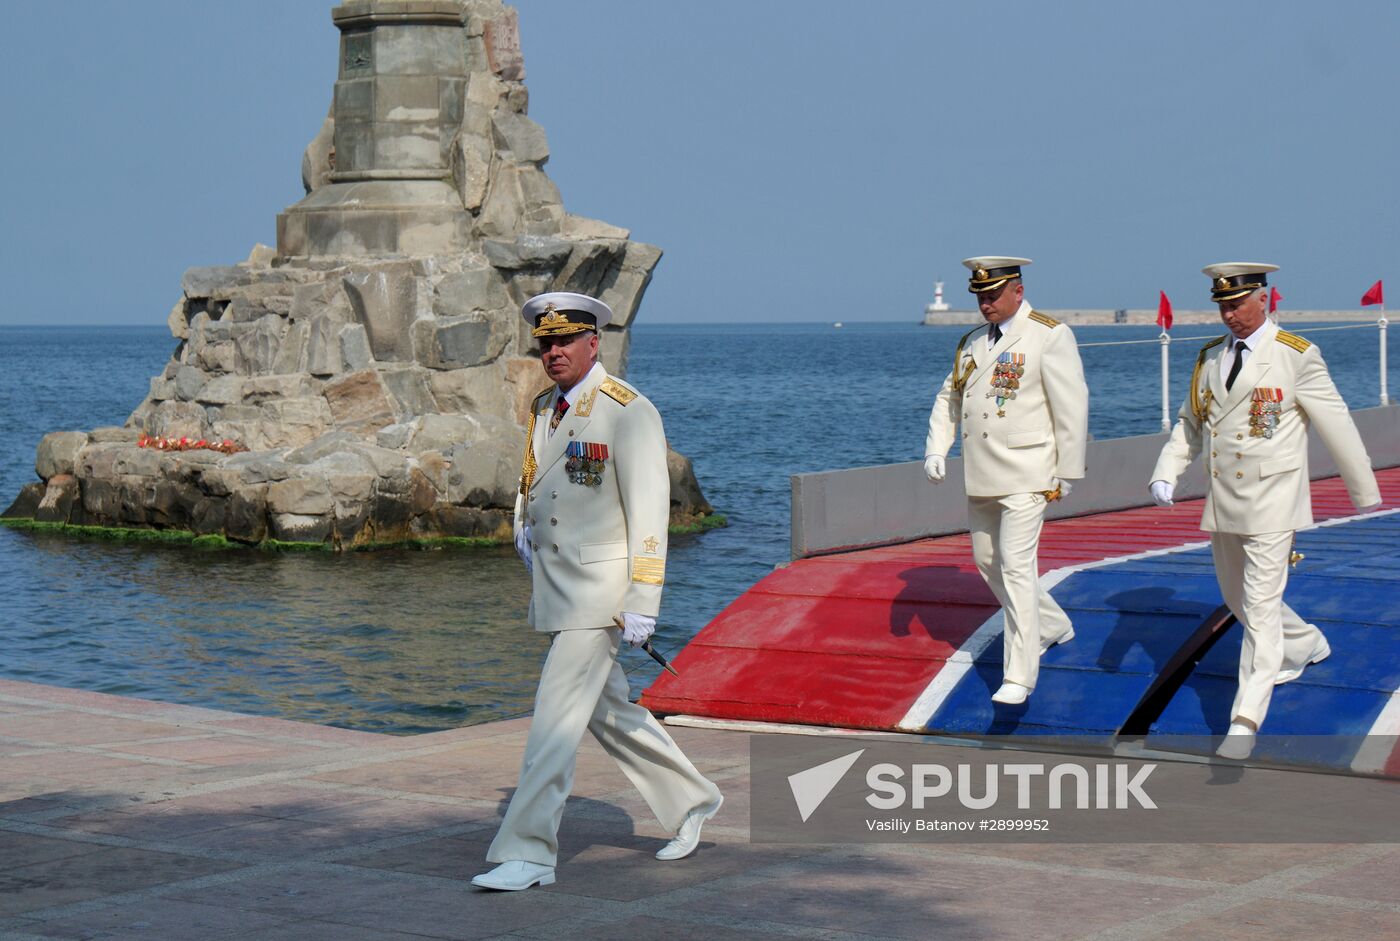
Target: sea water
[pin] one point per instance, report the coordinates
(409, 641)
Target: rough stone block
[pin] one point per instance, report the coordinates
(188, 383)
(161, 389)
(322, 298)
(396, 436)
(301, 495)
(179, 420)
(487, 471)
(527, 380)
(408, 390)
(588, 266)
(475, 290)
(625, 285)
(581, 227)
(354, 347)
(323, 356)
(112, 434)
(480, 390)
(26, 503)
(326, 445)
(360, 402)
(221, 390)
(522, 138)
(179, 320)
(470, 158)
(258, 467)
(291, 357)
(260, 389)
(258, 347)
(137, 462)
(243, 310)
(293, 422)
(58, 452)
(466, 343)
(385, 300)
(213, 282)
(209, 515)
(442, 432)
(60, 495)
(527, 251)
(471, 521)
(503, 210)
(246, 519)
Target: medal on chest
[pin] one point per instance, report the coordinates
(585, 462)
(1006, 378)
(1265, 408)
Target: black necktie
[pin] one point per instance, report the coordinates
(995, 334)
(1235, 369)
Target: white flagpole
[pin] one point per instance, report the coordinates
(1385, 392)
(1166, 340)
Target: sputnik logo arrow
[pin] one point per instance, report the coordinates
(811, 787)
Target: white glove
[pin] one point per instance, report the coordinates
(522, 548)
(1162, 492)
(934, 467)
(1369, 509)
(636, 628)
(1064, 486)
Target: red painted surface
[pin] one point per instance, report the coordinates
(851, 640)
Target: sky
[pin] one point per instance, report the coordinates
(796, 159)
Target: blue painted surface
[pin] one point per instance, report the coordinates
(1130, 618)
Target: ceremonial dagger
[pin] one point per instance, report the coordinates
(665, 664)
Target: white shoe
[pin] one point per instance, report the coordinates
(688, 837)
(1064, 638)
(1011, 694)
(1321, 652)
(1239, 742)
(514, 875)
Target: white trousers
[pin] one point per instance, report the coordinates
(583, 687)
(1252, 572)
(1005, 537)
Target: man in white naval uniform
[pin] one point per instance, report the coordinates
(1017, 388)
(590, 524)
(1253, 396)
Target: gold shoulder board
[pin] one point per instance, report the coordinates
(617, 391)
(1040, 318)
(1293, 340)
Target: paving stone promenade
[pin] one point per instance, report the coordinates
(125, 819)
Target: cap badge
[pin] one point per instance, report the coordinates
(1222, 283)
(980, 274)
(552, 318)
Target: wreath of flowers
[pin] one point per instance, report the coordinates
(160, 443)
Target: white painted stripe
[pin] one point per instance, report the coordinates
(946, 680)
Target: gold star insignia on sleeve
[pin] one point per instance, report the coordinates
(650, 543)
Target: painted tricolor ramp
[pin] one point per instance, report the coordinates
(908, 638)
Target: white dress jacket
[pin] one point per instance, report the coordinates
(598, 526)
(1254, 438)
(1019, 445)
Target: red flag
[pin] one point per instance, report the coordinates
(1374, 296)
(1164, 311)
(1274, 298)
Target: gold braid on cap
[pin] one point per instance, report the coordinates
(555, 324)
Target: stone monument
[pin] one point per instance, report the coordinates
(373, 368)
